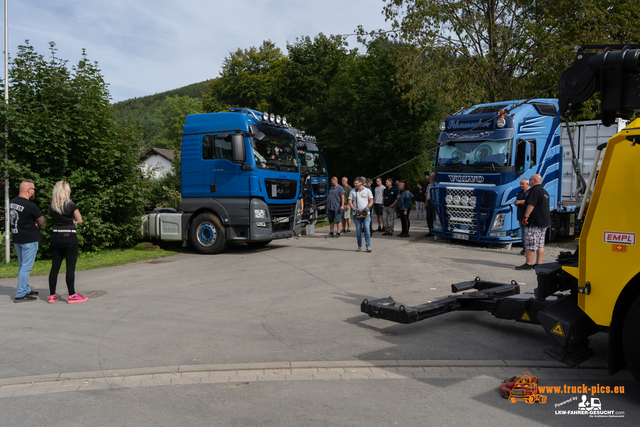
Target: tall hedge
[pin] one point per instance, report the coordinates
(61, 127)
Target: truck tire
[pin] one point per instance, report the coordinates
(631, 339)
(207, 234)
(259, 244)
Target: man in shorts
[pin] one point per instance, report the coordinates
(536, 220)
(346, 214)
(335, 206)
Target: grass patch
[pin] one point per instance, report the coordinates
(100, 259)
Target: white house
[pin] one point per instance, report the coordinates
(158, 159)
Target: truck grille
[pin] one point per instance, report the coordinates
(319, 188)
(460, 213)
(461, 218)
(281, 188)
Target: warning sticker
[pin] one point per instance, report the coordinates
(525, 317)
(558, 330)
(620, 238)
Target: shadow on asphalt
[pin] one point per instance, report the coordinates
(484, 262)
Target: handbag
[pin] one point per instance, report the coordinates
(359, 213)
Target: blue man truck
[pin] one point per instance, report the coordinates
(478, 173)
(240, 182)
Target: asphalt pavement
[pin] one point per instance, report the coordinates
(275, 336)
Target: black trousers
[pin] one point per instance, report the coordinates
(404, 220)
(63, 246)
(430, 214)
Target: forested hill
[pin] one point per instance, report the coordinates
(143, 110)
(195, 90)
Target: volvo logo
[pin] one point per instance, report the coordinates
(467, 178)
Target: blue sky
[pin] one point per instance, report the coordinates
(150, 46)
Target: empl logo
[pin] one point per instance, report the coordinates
(620, 238)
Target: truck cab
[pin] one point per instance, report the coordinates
(240, 182)
(484, 153)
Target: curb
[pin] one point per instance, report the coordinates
(453, 366)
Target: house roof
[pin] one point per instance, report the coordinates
(163, 152)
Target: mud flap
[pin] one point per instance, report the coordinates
(570, 328)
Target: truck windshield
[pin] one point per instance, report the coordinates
(314, 160)
(276, 151)
(486, 152)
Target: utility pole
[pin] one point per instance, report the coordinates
(7, 232)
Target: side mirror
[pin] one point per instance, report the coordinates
(237, 148)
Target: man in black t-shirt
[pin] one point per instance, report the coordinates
(536, 220)
(26, 221)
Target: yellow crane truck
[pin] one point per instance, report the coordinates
(596, 288)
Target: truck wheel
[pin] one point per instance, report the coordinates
(207, 234)
(259, 244)
(631, 339)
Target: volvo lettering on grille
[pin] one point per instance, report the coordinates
(478, 179)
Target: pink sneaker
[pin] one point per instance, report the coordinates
(76, 298)
(53, 298)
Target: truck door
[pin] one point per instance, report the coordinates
(227, 178)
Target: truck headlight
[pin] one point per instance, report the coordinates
(443, 126)
(261, 224)
(472, 201)
(498, 221)
(501, 122)
(260, 213)
(448, 199)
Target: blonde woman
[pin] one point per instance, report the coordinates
(64, 242)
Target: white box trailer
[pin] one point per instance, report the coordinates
(587, 136)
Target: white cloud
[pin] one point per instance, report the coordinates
(145, 47)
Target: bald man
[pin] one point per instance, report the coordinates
(26, 221)
(536, 220)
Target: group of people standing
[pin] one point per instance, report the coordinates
(346, 204)
(26, 220)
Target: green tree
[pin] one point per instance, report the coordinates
(308, 76)
(367, 125)
(61, 127)
(246, 79)
(499, 49)
(170, 117)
